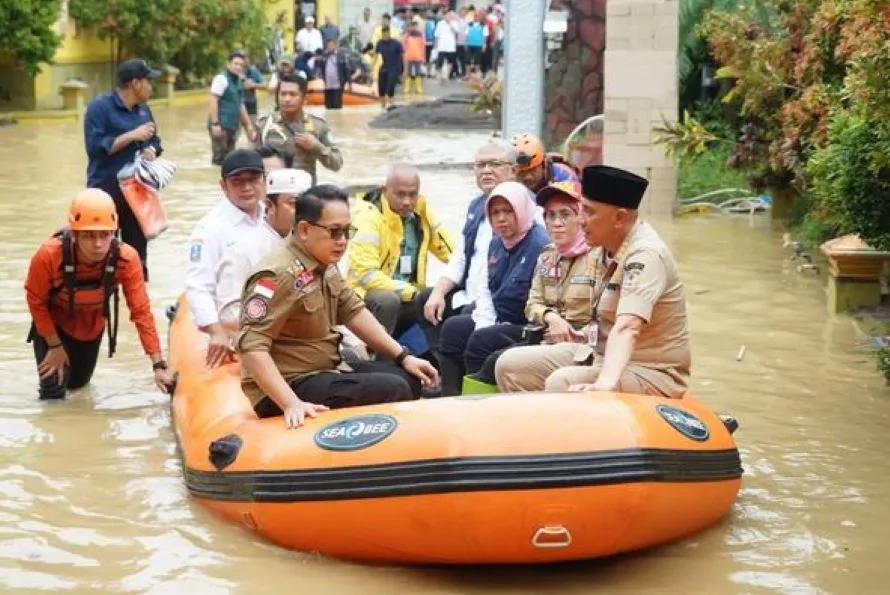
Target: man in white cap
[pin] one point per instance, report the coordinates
(309, 38)
(283, 189)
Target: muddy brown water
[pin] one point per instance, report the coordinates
(92, 500)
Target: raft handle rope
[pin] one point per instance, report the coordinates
(552, 536)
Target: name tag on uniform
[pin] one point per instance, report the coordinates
(581, 280)
(406, 265)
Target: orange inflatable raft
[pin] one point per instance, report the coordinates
(353, 95)
(521, 478)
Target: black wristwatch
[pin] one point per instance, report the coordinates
(401, 357)
(159, 365)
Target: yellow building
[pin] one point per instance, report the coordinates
(91, 60)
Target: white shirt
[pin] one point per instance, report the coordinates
(446, 40)
(309, 41)
(477, 269)
(212, 236)
(219, 84)
(238, 261)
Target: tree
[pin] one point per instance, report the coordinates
(850, 176)
(26, 32)
(193, 35)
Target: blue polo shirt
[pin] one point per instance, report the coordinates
(106, 119)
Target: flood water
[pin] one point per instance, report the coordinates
(91, 495)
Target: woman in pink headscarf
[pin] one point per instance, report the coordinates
(558, 305)
(518, 240)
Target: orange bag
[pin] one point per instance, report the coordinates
(145, 202)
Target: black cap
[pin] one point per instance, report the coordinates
(242, 160)
(613, 186)
(135, 69)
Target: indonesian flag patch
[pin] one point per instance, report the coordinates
(265, 287)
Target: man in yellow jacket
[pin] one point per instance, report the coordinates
(395, 232)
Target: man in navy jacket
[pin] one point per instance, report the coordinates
(118, 126)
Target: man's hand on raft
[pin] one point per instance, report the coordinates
(163, 380)
(219, 351)
(422, 370)
(296, 414)
(595, 386)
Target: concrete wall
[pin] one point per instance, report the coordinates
(640, 88)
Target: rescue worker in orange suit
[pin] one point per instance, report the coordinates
(535, 168)
(72, 280)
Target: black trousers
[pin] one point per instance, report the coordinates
(82, 358)
(485, 347)
(433, 332)
(369, 383)
(128, 230)
(456, 332)
(333, 98)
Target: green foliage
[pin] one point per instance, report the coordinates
(27, 32)
(488, 96)
(193, 35)
(851, 179)
(708, 172)
(711, 116)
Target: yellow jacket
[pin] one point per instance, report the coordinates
(374, 251)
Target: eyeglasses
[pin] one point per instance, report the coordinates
(562, 216)
(491, 164)
(337, 233)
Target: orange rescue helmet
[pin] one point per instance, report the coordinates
(92, 210)
(529, 151)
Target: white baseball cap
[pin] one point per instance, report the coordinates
(288, 181)
(310, 19)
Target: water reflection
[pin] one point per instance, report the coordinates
(91, 495)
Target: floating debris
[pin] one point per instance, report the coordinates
(741, 353)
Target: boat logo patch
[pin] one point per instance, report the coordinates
(684, 422)
(356, 433)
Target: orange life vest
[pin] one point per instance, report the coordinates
(75, 294)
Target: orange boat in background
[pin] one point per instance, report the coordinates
(505, 478)
(353, 95)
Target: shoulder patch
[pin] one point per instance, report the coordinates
(195, 250)
(256, 309)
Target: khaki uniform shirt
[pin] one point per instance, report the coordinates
(290, 308)
(562, 286)
(647, 284)
(275, 132)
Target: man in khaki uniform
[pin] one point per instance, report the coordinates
(304, 137)
(638, 340)
(290, 306)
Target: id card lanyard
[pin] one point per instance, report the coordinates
(596, 292)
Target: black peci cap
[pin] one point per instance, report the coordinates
(613, 186)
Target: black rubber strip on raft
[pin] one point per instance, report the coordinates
(468, 474)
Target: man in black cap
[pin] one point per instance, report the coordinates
(118, 126)
(638, 341)
(243, 182)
